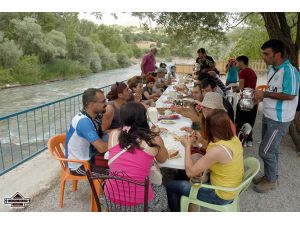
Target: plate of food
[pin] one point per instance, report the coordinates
(169, 117)
(173, 154)
(167, 121)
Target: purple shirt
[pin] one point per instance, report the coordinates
(149, 63)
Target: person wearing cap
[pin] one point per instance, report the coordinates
(118, 96)
(212, 101)
(148, 62)
(224, 159)
(209, 85)
(148, 92)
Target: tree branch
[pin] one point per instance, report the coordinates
(242, 20)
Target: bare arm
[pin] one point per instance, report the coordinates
(259, 95)
(100, 145)
(241, 84)
(148, 96)
(214, 155)
(162, 154)
(280, 96)
(107, 117)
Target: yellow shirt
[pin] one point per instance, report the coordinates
(230, 174)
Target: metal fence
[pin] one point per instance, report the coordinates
(24, 134)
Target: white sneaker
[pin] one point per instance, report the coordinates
(249, 144)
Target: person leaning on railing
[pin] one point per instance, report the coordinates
(82, 134)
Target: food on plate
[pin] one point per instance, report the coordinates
(169, 117)
(167, 121)
(176, 137)
(173, 154)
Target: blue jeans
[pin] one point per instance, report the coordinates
(272, 134)
(177, 188)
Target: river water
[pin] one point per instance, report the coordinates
(20, 98)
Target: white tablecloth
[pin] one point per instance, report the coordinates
(168, 138)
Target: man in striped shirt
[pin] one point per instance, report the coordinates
(279, 106)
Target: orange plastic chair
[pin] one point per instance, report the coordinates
(55, 145)
(262, 87)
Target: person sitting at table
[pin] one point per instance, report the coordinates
(118, 96)
(224, 159)
(212, 101)
(136, 87)
(191, 111)
(221, 89)
(209, 85)
(84, 135)
(142, 148)
(148, 92)
(161, 81)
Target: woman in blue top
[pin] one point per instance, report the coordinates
(232, 72)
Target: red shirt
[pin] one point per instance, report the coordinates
(249, 76)
(149, 63)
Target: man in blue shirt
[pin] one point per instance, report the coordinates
(280, 101)
(82, 135)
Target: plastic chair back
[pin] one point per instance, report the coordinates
(118, 181)
(251, 168)
(56, 146)
(262, 87)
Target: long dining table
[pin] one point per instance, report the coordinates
(173, 131)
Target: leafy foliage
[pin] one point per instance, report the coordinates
(10, 54)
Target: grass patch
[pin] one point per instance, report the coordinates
(62, 69)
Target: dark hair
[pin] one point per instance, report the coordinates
(163, 65)
(115, 90)
(133, 114)
(89, 95)
(217, 124)
(243, 58)
(208, 81)
(275, 45)
(201, 50)
(134, 84)
(202, 76)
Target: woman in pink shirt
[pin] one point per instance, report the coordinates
(142, 147)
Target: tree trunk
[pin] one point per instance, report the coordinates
(277, 28)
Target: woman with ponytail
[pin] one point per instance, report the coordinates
(133, 149)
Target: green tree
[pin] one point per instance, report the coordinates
(10, 53)
(82, 49)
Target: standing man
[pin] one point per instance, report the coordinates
(279, 106)
(247, 79)
(148, 63)
(82, 135)
(206, 62)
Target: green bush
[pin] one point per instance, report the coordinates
(108, 59)
(10, 53)
(5, 77)
(95, 64)
(123, 60)
(63, 68)
(137, 53)
(28, 70)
